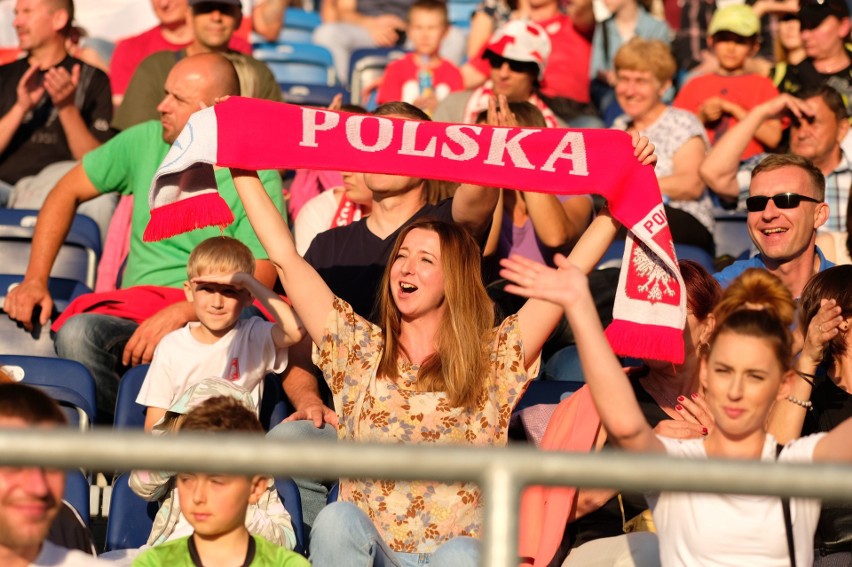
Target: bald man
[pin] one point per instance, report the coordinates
(53, 107)
(109, 345)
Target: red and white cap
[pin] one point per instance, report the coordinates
(522, 40)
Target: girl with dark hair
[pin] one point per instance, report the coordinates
(746, 369)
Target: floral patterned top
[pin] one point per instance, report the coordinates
(415, 517)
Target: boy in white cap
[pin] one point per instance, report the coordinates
(723, 98)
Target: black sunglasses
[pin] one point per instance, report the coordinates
(496, 61)
(781, 200)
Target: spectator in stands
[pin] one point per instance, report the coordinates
(534, 225)
(747, 369)
(644, 69)
(789, 49)
(629, 18)
(230, 519)
(431, 298)
(823, 384)
(267, 17)
(422, 77)
(489, 16)
(213, 24)
(31, 497)
(349, 25)
(671, 401)
(819, 123)
(221, 344)
(824, 30)
(337, 206)
(108, 344)
(723, 98)
(565, 78)
(518, 55)
(837, 246)
(173, 33)
(786, 207)
(54, 109)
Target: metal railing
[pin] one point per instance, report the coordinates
(501, 473)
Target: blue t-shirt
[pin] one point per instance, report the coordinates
(729, 274)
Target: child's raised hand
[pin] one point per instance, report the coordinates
(236, 279)
(531, 279)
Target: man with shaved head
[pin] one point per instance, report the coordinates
(53, 108)
(108, 345)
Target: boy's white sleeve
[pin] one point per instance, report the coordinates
(157, 390)
(275, 359)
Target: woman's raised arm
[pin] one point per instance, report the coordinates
(309, 294)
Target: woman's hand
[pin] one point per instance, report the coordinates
(643, 149)
(824, 326)
(531, 279)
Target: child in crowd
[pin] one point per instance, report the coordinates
(723, 98)
(422, 78)
(216, 504)
(220, 344)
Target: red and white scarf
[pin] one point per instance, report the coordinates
(650, 306)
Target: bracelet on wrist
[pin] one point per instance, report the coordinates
(807, 404)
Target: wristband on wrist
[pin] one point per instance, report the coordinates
(809, 378)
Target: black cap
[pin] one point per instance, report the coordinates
(813, 12)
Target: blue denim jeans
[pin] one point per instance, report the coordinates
(97, 342)
(344, 536)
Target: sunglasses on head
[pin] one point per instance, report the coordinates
(497, 61)
(781, 200)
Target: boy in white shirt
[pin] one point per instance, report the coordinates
(242, 351)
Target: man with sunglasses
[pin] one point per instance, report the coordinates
(213, 24)
(825, 29)
(517, 54)
(785, 209)
(818, 125)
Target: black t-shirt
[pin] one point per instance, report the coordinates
(352, 260)
(805, 75)
(607, 520)
(832, 406)
(40, 139)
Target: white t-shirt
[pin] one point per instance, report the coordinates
(244, 356)
(54, 556)
(731, 529)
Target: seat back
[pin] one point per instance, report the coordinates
(366, 66)
(77, 258)
(69, 381)
(298, 26)
(460, 12)
(130, 517)
(311, 95)
(274, 406)
(129, 414)
(299, 63)
(289, 494)
(77, 493)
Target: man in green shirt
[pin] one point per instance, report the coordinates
(106, 344)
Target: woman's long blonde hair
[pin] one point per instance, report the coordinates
(460, 364)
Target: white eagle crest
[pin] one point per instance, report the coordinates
(655, 273)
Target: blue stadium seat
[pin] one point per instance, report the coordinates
(58, 376)
(366, 66)
(298, 26)
(461, 12)
(731, 233)
(77, 259)
(289, 494)
(299, 63)
(333, 493)
(129, 414)
(77, 491)
(613, 256)
(311, 95)
(546, 392)
(130, 518)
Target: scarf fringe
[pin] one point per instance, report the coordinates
(647, 341)
(207, 209)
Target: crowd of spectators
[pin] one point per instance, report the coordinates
(742, 108)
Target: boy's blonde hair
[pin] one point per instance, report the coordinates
(220, 254)
(652, 55)
(430, 6)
